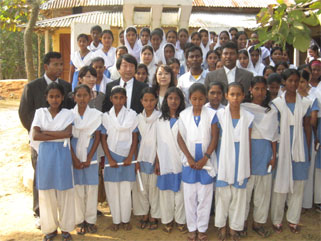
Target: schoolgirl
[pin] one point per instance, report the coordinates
(274, 84)
(80, 58)
(241, 39)
(243, 61)
(215, 95)
(223, 38)
(95, 33)
(142, 73)
(268, 70)
(197, 138)
(171, 37)
(50, 133)
(156, 41)
(281, 66)
(263, 154)
(294, 155)
(119, 142)
(98, 64)
(168, 52)
(205, 42)
(178, 70)
(146, 203)
(256, 60)
(235, 124)
(168, 162)
(144, 37)
(148, 58)
(182, 38)
(131, 42)
(195, 38)
(276, 56)
(212, 57)
(84, 142)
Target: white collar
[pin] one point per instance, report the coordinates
(227, 70)
(202, 75)
(129, 82)
(48, 80)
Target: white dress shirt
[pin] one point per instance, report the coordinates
(129, 89)
(49, 81)
(230, 74)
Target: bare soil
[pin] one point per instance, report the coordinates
(16, 218)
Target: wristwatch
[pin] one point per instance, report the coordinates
(208, 155)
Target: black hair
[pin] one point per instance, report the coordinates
(84, 70)
(187, 46)
(171, 31)
(118, 89)
(173, 61)
(192, 49)
(235, 84)
(244, 51)
(275, 49)
(314, 47)
(224, 31)
(143, 66)
(55, 86)
(311, 62)
(171, 46)
(303, 66)
(123, 47)
(274, 78)
(165, 108)
(256, 80)
(131, 29)
(82, 86)
(288, 72)
(97, 28)
(107, 31)
(121, 32)
(148, 90)
(268, 67)
(233, 29)
(203, 30)
(285, 64)
(128, 58)
(219, 84)
(167, 69)
(252, 49)
(150, 48)
(82, 35)
(196, 33)
(97, 59)
(51, 55)
(230, 45)
(212, 32)
(212, 52)
(196, 87)
(144, 30)
(305, 74)
(182, 30)
(158, 33)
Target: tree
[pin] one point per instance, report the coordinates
(289, 23)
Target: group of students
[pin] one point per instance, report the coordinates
(168, 161)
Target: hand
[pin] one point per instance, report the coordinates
(87, 163)
(157, 170)
(112, 163)
(137, 167)
(127, 161)
(272, 163)
(191, 163)
(77, 163)
(201, 163)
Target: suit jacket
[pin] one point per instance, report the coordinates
(33, 97)
(135, 101)
(242, 76)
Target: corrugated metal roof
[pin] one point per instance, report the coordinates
(54, 4)
(233, 3)
(222, 20)
(114, 19)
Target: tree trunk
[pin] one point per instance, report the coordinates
(27, 39)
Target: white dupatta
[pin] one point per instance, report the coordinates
(80, 62)
(240, 133)
(147, 130)
(168, 152)
(284, 175)
(201, 134)
(119, 129)
(83, 128)
(265, 124)
(135, 51)
(45, 122)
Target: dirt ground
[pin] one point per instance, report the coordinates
(16, 219)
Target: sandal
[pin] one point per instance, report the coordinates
(277, 228)
(50, 236)
(81, 228)
(181, 227)
(202, 237)
(143, 223)
(66, 236)
(127, 226)
(168, 227)
(235, 235)
(114, 227)
(294, 228)
(153, 225)
(222, 234)
(192, 236)
(261, 231)
(91, 228)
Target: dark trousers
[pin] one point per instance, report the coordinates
(34, 157)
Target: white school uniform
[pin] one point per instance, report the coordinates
(169, 180)
(264, 132)
(119, 181)
(135, 50)
(198, 184)
(233, 168)
(109, 57)
(152, 67)
(93, 48)
(147, 200)
(85, 180)
(293, 164)
(54, 173)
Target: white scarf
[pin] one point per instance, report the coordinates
(44, 120)
(219, 107)
(284, 178)
(315, 93)
(265, 124)
(163, 58)
(119, 129)
(109, 57)
(206, 48)
(226, 170)
(193, 134)
(168, 152)
(135, 51)
(259, 66)
(83, 128)
(147, 130)
(218, 39)
(80, 62)
(249, 66)
(151, 68)
(93, 48)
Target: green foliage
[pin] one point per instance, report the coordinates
(289, 23)
(13, 13)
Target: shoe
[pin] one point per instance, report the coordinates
(37, 223)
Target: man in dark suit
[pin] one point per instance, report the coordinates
(33, 97)
(126, 66)
(230, 73)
